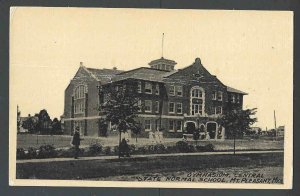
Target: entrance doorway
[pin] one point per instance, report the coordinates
(190, 127)
(211, 129)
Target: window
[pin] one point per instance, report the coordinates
(214, 95)
(139, 87)
(172, 90)
(179, 91)
(179, 108)
(178, 126)
(197, 93)
(80, 92)
(79, 107)
(238, 98)
(148, 88)
(171, 126)
(218, 110)
(197, 101)
(148, 106)
(147, 125)
(220, 96)
(163, 66)
(171, 107)
(157, 89)
(139, 105)
(232, 98)
(156, 107)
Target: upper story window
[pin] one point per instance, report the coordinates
(232, 98)
(197, 93)
(139, 104)
(220, 96)
(171, 107)
(148, 88)
(148, 106)
(179, 91)
(139, 90)
(156, 107)
(79, 92)
(218, 110)
(214, 95)
(238, 98)
(163, 66)
(79, 106)
(157, 89)
(172, 90)
(179, 108)
(197, 103)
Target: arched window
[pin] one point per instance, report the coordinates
(197, 101)
(80, 91)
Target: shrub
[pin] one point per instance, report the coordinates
(171, 149)
(47, 151)
(21, 153)
(209, 147)
(31, 154)
(159, 148)
(141, 150)
(182, 146)
(191, 148)
(95, 149)
(116, 150)
(132, 148)
(107, 150)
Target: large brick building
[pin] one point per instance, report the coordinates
(177, 101)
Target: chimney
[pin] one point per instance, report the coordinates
(197, 60)
(81, 64)
(115, 68)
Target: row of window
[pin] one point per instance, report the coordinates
(175, 90)
(148, 106)
(217, 95)
(174, 125)
(234, 98)
(148, 88)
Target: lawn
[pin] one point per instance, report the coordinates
(105, 169)
(62, 141)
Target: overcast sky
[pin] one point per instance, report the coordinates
(247, 50)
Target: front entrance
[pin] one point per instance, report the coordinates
(211, 129)
(190, 127)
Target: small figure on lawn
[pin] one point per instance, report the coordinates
(124, 148)
(76, 142)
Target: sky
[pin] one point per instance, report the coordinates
(247, 50)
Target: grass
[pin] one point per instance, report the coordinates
(63, 141)
(89, 169)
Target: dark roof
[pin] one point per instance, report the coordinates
(142, 73)
(104, 75)
(162, 59)
(233, 90)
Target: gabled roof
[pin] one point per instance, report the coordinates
(142, 73)
(233, 90)
(103, 75)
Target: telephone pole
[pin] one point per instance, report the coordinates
(275, 125)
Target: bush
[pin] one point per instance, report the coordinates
(107, 150)
(95, 149)
(132, 148)
(141, 150)
(31, 154)
(182, 146)
(159, 148)
(116, 150)
(21, 153)
(47, 151)
(209, 148)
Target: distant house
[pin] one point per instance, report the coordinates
(280, 131)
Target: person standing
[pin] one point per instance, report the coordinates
(76, 142)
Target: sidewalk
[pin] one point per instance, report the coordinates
(144, 156)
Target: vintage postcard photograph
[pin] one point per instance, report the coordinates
(151, 98)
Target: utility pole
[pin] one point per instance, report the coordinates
(162, 45)
(275, 125)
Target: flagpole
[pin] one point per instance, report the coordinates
(162, 45)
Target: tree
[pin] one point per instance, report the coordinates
(44, 123)
(196, 135)
(120, 106)
(236, 122)
(136, 129)
(56, 126)
(31, 124)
